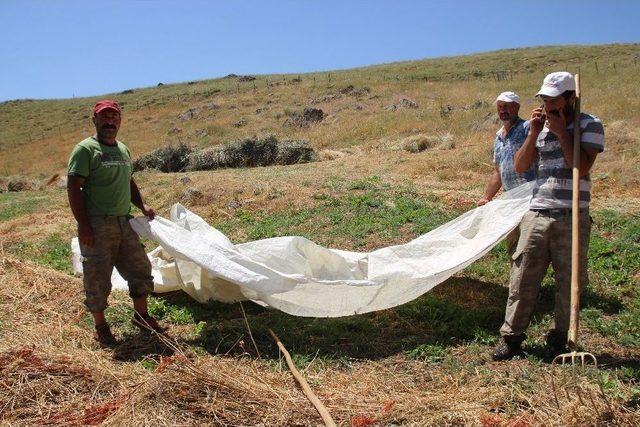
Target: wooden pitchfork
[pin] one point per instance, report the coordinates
(574, 355)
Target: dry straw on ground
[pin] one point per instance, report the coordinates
(51, 373)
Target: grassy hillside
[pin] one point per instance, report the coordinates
(454, 96)
(423, 363)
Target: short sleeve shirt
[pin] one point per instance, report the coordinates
(107, 171)
(554, 185)
(504, 150)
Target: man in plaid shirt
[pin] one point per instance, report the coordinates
(509, 139)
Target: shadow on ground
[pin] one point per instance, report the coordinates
(456, 311)
(140, 346)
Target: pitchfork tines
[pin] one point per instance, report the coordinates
(572, 357)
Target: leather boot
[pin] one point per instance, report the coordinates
(507, 348)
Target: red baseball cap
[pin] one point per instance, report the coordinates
(106, 104)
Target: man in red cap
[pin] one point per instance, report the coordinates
(101, 190)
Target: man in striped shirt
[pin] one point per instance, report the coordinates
(546, 228)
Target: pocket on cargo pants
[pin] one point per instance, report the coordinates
(97, 266)
(133, 263)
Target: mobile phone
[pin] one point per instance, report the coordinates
(543, 117)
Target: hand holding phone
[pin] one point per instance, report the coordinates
(538, 117)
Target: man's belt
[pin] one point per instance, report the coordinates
(557, 212)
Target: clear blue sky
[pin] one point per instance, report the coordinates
(60, 49)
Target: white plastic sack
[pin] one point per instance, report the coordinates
(301, 278)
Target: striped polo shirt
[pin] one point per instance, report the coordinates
(554, 182)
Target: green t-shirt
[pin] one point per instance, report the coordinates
(107, 171)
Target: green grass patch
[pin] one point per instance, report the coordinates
(468, 311)
(427, 352)
(614, 264)
(53, 252)
(260, 225)
(365, 213)
(614, 252)
(13, 205)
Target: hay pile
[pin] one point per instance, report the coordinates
(418, 142)
(251, 152)
(248, 152)
(172, 158)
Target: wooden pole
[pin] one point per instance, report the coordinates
(326, 417)
(575, 227)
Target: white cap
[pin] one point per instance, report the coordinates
(508, 97)
(555, 84)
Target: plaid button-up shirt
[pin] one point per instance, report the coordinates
(504, 149)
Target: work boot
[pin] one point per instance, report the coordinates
(145, 322)
(507, 349)
(556, 342)
(104, 336)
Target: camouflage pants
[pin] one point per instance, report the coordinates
(116, 245)
(544, 238)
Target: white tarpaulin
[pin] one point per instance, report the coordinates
(299, 277)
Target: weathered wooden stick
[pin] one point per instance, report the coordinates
(326, 417)
(575, 227)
